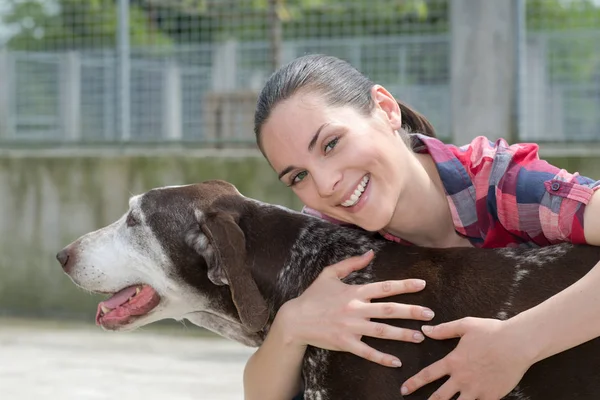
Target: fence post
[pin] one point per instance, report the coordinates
(172, 102)
(70, 99)
(5, 89)
(224, 68)
(123, 50)
(482, 69)
(520, 59)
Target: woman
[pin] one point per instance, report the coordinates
(343, 144)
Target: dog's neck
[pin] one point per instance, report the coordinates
(287, 250)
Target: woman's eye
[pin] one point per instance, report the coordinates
(298, 177)
(131, 221)
(331, 144)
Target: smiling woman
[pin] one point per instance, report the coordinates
(353, 154)
(326, 152)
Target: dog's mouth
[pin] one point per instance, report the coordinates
(126, 305)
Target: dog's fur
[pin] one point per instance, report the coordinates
(227, 263)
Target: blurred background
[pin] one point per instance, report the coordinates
(102, 99)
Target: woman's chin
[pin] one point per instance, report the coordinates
(370, 224)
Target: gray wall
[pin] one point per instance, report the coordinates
(47, 201)
(482, 69)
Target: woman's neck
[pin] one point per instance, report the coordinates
(423, 215)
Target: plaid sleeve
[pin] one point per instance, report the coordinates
(539, 202)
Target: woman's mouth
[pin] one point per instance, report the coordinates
(357, 194)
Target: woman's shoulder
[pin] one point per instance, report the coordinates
(483, 148)
(484, 155)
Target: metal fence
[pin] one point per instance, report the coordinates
(99, 71)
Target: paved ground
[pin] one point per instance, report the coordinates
(47, 361)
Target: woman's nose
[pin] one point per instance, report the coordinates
(326, 184)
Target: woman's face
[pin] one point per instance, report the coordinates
(344, 164)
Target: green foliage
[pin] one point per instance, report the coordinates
(72, 24)
(75, 24)
(553, 15)
(92, 24)
(571, 31)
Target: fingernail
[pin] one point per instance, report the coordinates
(396, 363)
(418, 336)
(368, 253)
(404, 390)
(420, 283)
(427, 328)
(428, 314)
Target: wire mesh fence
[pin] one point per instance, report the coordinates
(563, 70)
(100, 71)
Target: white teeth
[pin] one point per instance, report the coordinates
(137, 291)
(105, 309)
(357, 193)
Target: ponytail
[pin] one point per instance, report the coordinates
(415, 122)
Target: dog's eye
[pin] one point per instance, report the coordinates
(131, 221)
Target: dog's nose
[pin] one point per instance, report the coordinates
(63, 257)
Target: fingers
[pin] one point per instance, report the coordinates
(391, 288)
(384, 331)
(373, 290)
(363, 350)
(448, 330)
(345, 267)
(396, 311)
(427, 375)
(445, 392)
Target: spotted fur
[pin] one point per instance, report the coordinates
(523, 261)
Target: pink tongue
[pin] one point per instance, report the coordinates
(119, 298)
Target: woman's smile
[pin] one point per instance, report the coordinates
(355, 200)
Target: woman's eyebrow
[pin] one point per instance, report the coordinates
(313, 141)
(286, 170)
(311, 146)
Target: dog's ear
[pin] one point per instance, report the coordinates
(225, 252)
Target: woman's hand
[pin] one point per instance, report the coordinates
(488, 362)
(333, 315)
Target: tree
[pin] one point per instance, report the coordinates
(75, 24)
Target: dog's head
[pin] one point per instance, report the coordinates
(177, 253)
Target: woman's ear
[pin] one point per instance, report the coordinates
(387, 104)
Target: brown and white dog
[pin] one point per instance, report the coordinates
(227, 263)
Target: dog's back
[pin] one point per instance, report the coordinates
(466, 282)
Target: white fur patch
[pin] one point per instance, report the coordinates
(225, 326)
(316, 240)
(536, 257)
(118, 256)
(315, 367)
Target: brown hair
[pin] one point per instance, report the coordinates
(337, 80)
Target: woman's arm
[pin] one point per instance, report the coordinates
(578, 306)
(478, 371)
(273, 371)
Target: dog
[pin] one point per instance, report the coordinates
(227, 263)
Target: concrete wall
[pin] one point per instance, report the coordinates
(47, 201)
(482, 68)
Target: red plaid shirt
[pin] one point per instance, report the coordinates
(505, 196)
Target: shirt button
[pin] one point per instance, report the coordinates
(555, 186)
